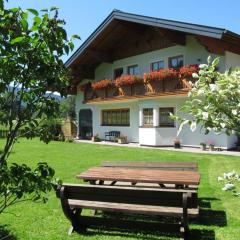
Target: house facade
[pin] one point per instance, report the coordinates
(125, 77)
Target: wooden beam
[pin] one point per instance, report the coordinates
(218, 46)
(173, 36)
(100, 55)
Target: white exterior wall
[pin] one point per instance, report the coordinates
(153, 136)
(193, 53)
(130, 131)
(232, 60)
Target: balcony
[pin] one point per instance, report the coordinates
(165, 82)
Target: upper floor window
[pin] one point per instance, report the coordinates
(164, 117)
(133, 70)
(116, 117)
(175, 62)
(147, 116)
(155, 66)
(118, 72)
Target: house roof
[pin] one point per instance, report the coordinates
(183, 27)
(123, 35)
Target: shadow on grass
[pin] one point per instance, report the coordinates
(208, 216)
(197, 234)
(141, 235)
(5, 233)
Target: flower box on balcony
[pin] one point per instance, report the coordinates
(100, 87)
(125, 84)
(186, 72)
(161, 80)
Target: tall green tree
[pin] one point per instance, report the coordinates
(32, 44)
(214, 101)
(67, 107)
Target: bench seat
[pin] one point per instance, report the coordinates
(132, 208)
(176, 203)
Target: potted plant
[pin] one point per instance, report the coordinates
(96, 138)
(125, 83)
(122, 139)
(186, 72)
(211, 145)
(100, 87)
(156, 80)
(203, 146)
(177, 143)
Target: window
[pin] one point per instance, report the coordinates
(175, 62)
(133, 70)
(118, 72)
(147, 116)
(155, 66)
(164, 117)
(116, 117)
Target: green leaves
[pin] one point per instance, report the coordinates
(33, 11)
(32, 45)
(17, 40)
(214, 100)
(20, 181)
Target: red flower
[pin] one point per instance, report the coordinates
(127, 80)
(160, 75)
(105, 83)
(187, 71)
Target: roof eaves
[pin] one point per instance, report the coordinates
(151, 21)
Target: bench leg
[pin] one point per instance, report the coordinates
(74, 219)
(162, 185)
(113, 183)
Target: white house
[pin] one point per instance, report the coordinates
(130, 44)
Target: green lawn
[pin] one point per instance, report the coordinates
(219, 217)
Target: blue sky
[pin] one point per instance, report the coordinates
(83, 16)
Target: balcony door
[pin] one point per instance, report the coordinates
(85, 124)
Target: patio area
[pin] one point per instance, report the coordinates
(182, 149)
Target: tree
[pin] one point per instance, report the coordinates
(67, 107)
(32, 44)
(214, 100)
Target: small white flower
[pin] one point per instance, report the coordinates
(203, 66)
(223, 125)
(205, 115)
(195, 75)
(234, 112)
(228, 186)
(213, 87)
(220, 179)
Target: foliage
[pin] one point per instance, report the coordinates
(67, 107)
(32, 44)
(128, 80)
(162, 74)
(214, 100)
(105, 83)
(19, 182)
(187, 71)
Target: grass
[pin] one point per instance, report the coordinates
(219, 217)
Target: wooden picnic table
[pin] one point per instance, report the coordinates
(139, 175)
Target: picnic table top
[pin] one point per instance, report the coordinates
(139, 175)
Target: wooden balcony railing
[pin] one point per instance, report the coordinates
(139, 90)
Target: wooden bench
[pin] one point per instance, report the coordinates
(144, 201)
(112, 134)
(181, 166)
